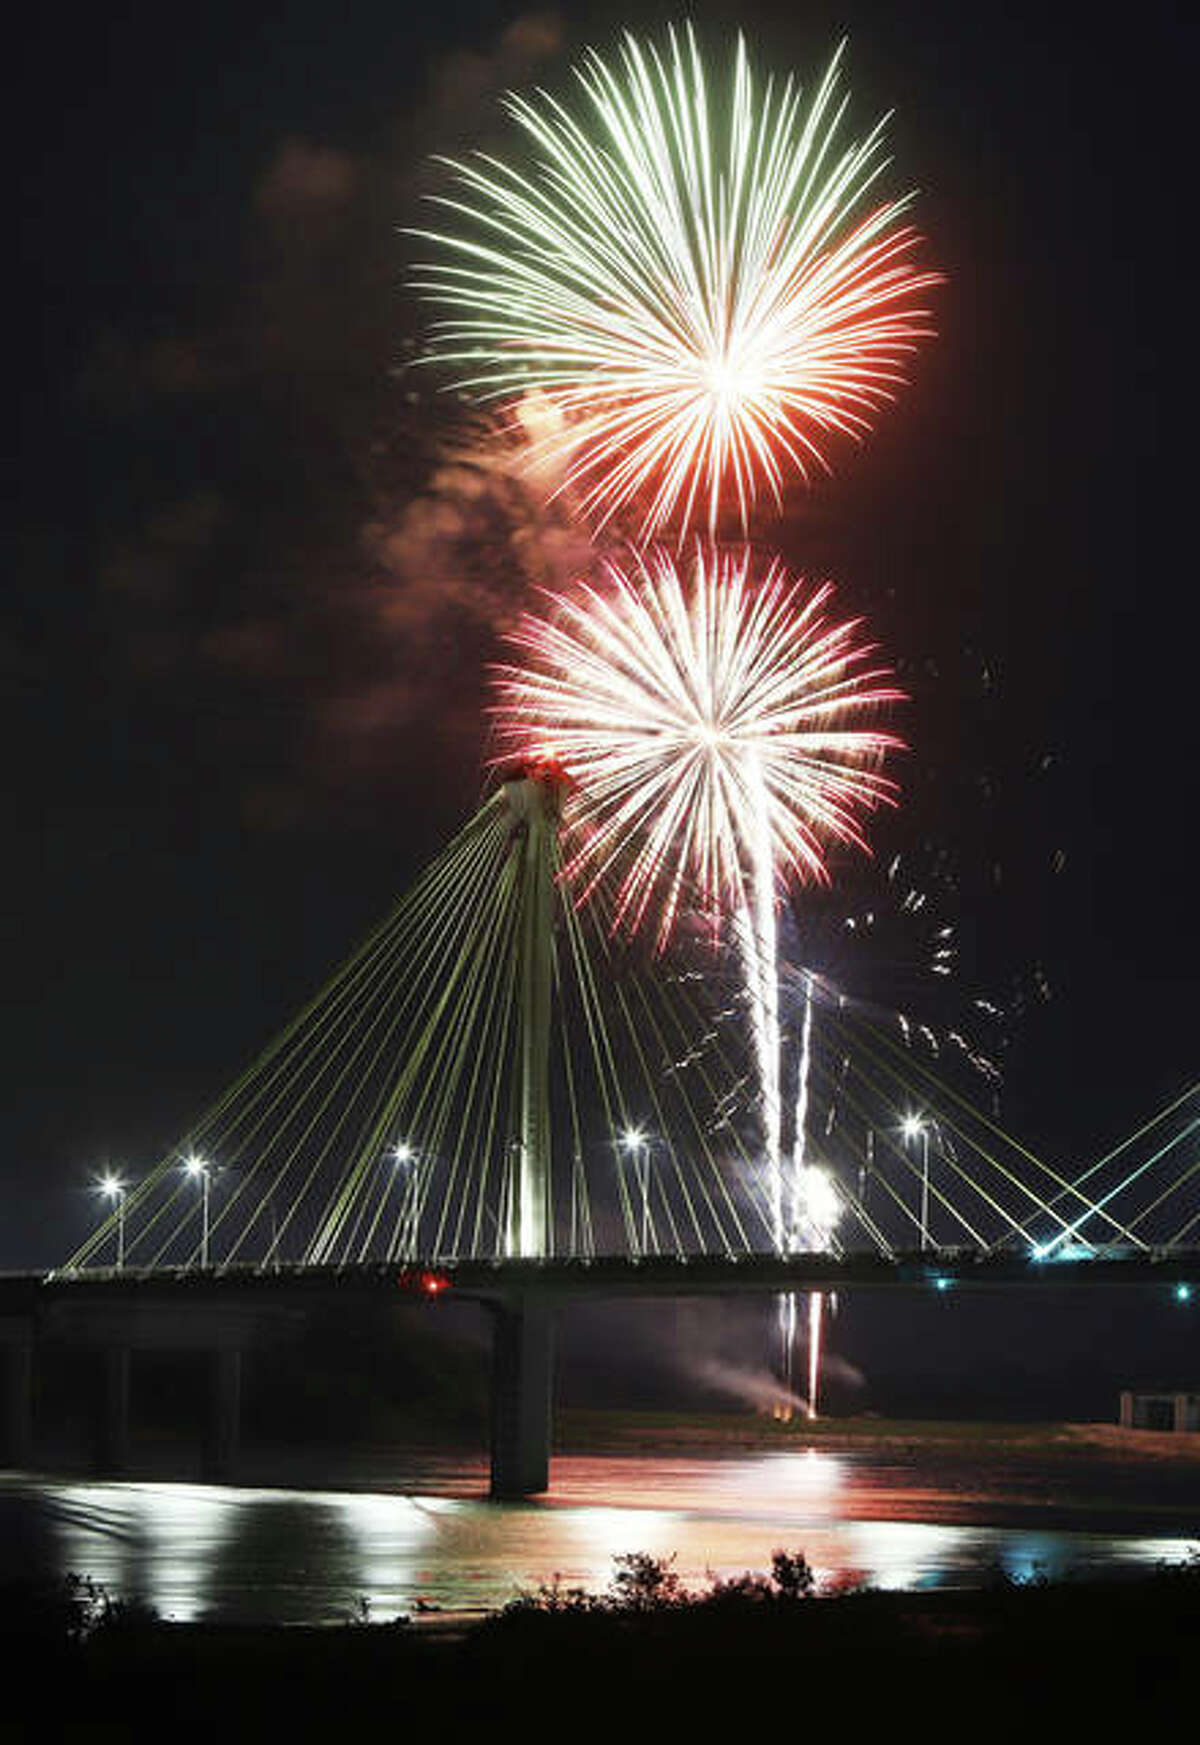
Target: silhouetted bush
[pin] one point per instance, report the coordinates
(70, 1612)
(641, 1583)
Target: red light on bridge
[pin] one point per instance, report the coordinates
(419, 1279)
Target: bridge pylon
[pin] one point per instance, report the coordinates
(522, 1395)
(533, 795)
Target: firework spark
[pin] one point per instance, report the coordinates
(717, 729)
(708, 289)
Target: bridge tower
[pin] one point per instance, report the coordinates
(533, 796)
(523, 1333)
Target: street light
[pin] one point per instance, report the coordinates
(200, 1171)
(910, 1127)
(113, 1189)
(402, 1156)
(635, 1141)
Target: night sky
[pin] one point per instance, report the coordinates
(246, 629)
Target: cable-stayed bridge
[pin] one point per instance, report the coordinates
(495, 1094)
(495, 1074)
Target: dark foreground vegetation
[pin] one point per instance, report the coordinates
(759, 1651)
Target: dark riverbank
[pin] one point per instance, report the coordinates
(746, 1653)
(641, 1432)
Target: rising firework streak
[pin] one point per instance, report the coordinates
(709, 285)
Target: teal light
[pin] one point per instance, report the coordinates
(942, 1283)
(1063, 1248)
(1183, 1293)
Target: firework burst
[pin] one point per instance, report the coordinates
(717, 729)
(708, 288)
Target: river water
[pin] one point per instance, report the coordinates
(438, 1546)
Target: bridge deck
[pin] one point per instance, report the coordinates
(564, 1279)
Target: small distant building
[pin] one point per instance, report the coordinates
(1160, 1409)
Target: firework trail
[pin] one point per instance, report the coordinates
(802, 1204)
(709, 287)
(717, 730)
(875, 956)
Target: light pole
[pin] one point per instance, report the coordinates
(273, 1250)
(866, 1168)
(402, 1159)
(634, 1141)
(199, 1171)
(913, 1127)
(113, 1189)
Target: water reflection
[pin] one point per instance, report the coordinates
(898, 1554)
(156, 1543)
(293, 1556)
(285, 1544)
(797, 1487)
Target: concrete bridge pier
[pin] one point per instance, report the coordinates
(522, 1384)
(132, 1319)
(112, 1429)
(223, 1429)
(16, 1414)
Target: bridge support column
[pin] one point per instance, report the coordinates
(16, 1425)
(522, 1382)
(224, 1416)
(112, 1438)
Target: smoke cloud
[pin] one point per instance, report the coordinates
(353, 540)
(752, 1387)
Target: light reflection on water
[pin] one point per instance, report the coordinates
(291, 1556)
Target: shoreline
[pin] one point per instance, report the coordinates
(582, 1431)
